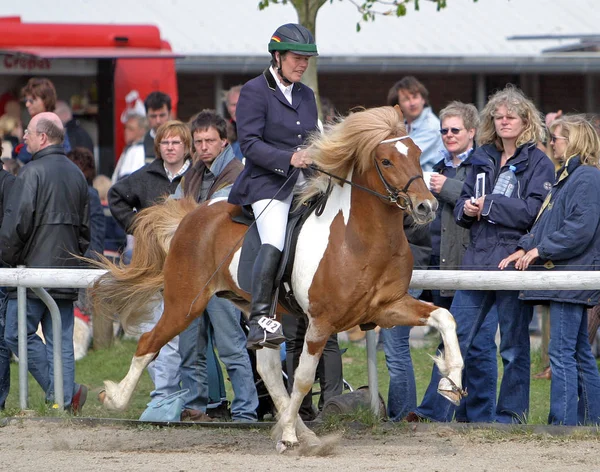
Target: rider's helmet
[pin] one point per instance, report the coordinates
(295, 38)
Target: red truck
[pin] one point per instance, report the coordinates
(93, 67)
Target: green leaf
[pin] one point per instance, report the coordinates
(357, 27)
(401, 9)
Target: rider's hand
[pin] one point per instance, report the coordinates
(301, 159)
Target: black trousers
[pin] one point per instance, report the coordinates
(329, 369)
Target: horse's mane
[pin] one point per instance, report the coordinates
(350, 144)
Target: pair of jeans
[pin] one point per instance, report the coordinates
(164, 369)
(230, 340)
(470, 309)
(402, 391)
(575, 387)
(40, 356)
(4, 353)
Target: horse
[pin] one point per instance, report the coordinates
(353, 263)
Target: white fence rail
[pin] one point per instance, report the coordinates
(422, 279)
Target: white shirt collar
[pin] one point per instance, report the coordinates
(285, 89)
(181, 171)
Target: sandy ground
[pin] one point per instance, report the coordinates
(30, 445)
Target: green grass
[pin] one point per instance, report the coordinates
(113, 363)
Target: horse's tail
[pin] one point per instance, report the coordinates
(129, 292)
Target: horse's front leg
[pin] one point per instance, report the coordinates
(268, 365)
(411, 312)
(304, 377)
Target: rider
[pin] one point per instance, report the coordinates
(275, 115)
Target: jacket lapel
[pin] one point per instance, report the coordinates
(275, 89)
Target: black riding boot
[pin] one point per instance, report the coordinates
(263, 278)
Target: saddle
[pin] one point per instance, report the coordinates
(252, 243)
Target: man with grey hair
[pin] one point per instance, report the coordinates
(46, 224)
(133, 156)
(77, 134)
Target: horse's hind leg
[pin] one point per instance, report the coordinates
(172, 322)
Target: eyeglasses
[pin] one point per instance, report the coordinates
(170, 143)
(28, 100)
(444, 131)
(28, 131)
(554, 138)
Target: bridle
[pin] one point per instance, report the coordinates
(398, 197)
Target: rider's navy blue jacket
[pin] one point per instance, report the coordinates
(566, 233)
(504, 219)
(270, 130)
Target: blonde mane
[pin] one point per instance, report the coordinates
(350, 144)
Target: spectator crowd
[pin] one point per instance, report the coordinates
(517, 191)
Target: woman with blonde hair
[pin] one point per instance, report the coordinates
(499, 201)
(564, 237)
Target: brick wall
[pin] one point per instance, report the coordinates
(346, 91)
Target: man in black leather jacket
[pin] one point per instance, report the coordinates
(46, 223)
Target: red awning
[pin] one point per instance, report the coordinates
(61, 52)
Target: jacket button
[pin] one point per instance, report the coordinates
(444, 261)
(298, 149)
(297, 122)
(299, 136)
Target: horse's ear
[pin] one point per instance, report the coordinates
(397, 108)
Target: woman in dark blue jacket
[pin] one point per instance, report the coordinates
(275, 114)
(565, 237)
(497, 216)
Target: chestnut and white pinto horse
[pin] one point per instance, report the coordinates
(353, 263)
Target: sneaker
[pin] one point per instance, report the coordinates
(79, 399)
(196, 416)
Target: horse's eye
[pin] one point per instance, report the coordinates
(386, 163)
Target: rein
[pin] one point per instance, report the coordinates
(399, 197)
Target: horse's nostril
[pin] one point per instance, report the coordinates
(424, 208)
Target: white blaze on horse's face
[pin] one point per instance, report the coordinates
(402, 148)
(399, 145)
(314, 239)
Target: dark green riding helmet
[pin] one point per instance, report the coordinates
(294, 38)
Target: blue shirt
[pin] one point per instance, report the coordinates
(425, 132)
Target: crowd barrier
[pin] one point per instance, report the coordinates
(40, 279)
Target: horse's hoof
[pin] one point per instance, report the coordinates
(449, 391)
(283, 446)
(102, 396)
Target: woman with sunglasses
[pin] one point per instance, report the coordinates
(459, 122)
(497, 218)
(564, 237)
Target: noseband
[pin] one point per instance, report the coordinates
(398, 197)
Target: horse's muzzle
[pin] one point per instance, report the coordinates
(424, 212)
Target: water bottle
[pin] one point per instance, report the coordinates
(506, 183)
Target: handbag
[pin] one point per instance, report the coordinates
(165, 409)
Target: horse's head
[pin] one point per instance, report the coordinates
(397, 165)
(373, 145)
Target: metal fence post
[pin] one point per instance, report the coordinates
(372, 371)
(22, 340)
(59, 397)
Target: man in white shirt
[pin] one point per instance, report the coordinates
(133, 157)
